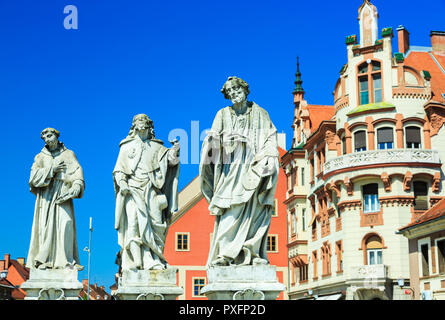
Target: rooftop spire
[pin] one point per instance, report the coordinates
(298, 82)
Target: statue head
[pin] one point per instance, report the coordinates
(235, 89)
(51, 137)
(142, 122)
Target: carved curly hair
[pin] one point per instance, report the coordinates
(237, 81)
(151, 131)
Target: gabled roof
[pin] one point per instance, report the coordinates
(319, 113)
(435, 212)
(435, 65)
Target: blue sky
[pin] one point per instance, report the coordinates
(168, 60)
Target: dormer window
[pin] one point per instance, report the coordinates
(370, 83)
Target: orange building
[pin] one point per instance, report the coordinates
(15, 273)
(188, 240)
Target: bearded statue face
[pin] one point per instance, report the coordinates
(51, 137)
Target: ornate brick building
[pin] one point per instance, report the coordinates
(363, 168)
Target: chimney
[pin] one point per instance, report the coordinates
(21, 261)
(7, 260)
(438, 41)
(403, 36)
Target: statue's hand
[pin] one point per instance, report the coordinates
(173, 153)
(267, 166)
(124, 188)
(75, 190)
(60, 166)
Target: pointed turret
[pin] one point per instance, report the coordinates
(298, 82)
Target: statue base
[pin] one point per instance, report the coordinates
(243, 283)
(148, 285)
(52, 284)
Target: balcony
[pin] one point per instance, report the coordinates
(370, 273)
(380, 157)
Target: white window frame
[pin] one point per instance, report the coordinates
(176, 241)
(359, 128)
(437, 253)
(413, 124)
(193, 286)
(368, 256)
(421, 242)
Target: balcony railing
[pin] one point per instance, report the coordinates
(381, 157)
(369, 272)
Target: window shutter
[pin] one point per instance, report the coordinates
(412, 134)
(385, 135)
(360, 139)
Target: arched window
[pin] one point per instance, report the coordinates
(371, 198)
(385, 138)
(374, 254)
(360, 141)
(370, 83)
(412, 136)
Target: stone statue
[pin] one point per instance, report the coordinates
(238, 172)
(146, 186)
(56, 179)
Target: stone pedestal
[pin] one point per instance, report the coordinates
(148, 285)
(52, 284)
(243, 283)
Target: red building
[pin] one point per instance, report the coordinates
(15, 272)
(188, 240)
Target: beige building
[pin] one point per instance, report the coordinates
(371, 164)
(426, 237)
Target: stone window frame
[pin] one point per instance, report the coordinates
(437, 255)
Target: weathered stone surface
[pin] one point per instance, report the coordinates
(242, 283)
(148, 285)
(52, 284)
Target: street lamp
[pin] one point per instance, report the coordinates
(88, 249)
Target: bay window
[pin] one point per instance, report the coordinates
(370, 83)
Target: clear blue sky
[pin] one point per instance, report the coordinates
(168, 59)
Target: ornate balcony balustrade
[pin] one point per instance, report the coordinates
(375, 157)
(369, 272)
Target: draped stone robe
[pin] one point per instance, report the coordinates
(143, 216)
(238, 186)
(53, 237)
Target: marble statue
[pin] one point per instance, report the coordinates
(56, 179)
(146, 186)
(238, 173)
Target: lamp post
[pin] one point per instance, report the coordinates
(88, 249)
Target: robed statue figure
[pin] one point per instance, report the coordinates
(238, 172)
(146, 185)
(56, 178)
